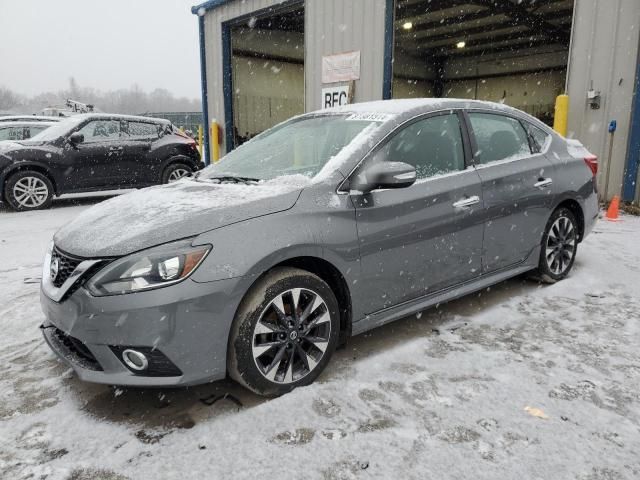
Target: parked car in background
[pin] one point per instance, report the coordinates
(328, 225)
(29, 118)
(21, 130)
(92, 152)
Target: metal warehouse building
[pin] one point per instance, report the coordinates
(264, 61)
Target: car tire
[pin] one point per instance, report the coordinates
(176, 171)
(271, 354)
(28, 190)
(559, 247)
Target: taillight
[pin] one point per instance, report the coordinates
(592, 163)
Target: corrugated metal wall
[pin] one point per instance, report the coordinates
(213, 39)
(331, 26)
(337, 26)
(603, 54)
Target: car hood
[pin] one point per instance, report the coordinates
(157, 215)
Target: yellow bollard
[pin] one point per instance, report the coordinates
(200, 140)
(215, 141)
(561, 117)
(181, 129)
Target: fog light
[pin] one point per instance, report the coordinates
(135, 360)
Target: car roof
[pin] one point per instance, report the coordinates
(400, 110)
(115, 116)
(23, 123)
(414, 105)
(29, 118)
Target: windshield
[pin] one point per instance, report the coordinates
(300, 146)
(58, 129)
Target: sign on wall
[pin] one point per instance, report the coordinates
(342, 67)
(335, 96)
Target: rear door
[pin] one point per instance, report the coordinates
(517, 188)
(418, 240)
(137, 160)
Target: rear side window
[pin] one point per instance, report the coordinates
(433, 146)
(498, 138)
(140, 130)
(539, 138)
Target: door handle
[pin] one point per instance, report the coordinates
(467, 202)
(115, 149)
(543, 182)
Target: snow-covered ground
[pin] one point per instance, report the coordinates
(520, 381)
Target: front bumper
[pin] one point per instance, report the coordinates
(187, 324)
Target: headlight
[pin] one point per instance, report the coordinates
(149, 269)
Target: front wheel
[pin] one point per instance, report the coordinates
(559, 246)
(284, 332)
(28, 190)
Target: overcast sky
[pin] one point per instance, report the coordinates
(105, 44)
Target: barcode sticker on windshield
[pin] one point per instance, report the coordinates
(371, 117)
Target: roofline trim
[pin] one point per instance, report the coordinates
(207, 6)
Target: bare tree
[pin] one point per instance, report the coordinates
(8, 99)
(133, 100)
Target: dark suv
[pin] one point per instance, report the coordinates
(93, 152)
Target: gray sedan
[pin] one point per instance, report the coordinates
(326, 226)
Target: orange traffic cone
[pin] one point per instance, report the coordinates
(612, 211)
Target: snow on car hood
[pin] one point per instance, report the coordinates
(157, 215)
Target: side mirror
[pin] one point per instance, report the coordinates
(76, 138)
(385, 175)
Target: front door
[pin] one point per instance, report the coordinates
(517, 188)
(94, 162)
(418, 240)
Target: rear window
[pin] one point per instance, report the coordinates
(498, 138)
(140, 130)
(539, 138)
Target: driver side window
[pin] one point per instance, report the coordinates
(101, 131)
(433, 146)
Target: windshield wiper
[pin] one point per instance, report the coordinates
(232, 178)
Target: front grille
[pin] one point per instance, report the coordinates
(73, 349)
(66, 266)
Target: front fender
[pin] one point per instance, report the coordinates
(24, 165)
(321, 224)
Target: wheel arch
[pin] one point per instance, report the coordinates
(574, 207)
(27, 167)
(179, 159)
(331, 275)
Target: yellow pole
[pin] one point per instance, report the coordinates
(181, 129)
(215, 141)
(561, 117)
(200, 140)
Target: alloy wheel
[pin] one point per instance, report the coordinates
(291, 336)
(30, 192)
(177, 174)
(560, 246)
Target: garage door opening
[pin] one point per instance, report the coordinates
(505, 51)
(267, 71)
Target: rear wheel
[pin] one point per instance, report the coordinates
(175, 172)
(284, 332)
(559, 246)
(28, 190)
